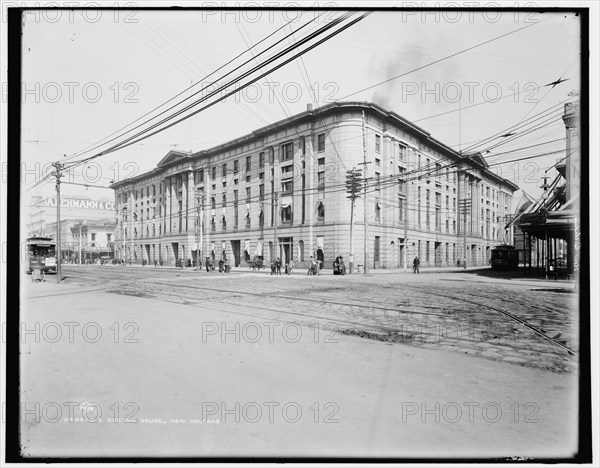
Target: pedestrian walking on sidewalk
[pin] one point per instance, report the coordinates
(416, 263)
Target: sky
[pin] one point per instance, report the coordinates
(88, 73)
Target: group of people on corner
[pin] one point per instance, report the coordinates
(339, 267)
(276, 267)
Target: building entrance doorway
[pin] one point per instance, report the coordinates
(438, 254)
(235, 247)
(175, 246)
(286, 251)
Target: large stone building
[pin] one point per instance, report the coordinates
(280, 191)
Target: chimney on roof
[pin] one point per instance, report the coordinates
(309, 107)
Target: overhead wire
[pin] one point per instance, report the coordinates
(127, 142)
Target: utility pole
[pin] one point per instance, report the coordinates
(405, 260)
(80, 242)
(366, 224)
(58, 168)
(125, 235)
(200, 211)
(275, 216)
(353, 186)
(465, 204)
(197, 229)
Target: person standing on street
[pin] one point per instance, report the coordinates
(416, 263)
(278, 265)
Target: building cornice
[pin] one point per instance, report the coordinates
(311, 116)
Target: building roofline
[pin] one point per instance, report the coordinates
(311, 115)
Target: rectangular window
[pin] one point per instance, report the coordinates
(213, 203)
(401, 202)
(261, 192)
(403, 152)
(248, 194)
(303, 145)
(248, 163)
(93, 236)
(147, 191)
(224, 202)
(378, 162)
(402, 183)
(224, 170)
(287, 186)
(287, 152)
(438, 219)
(321, 181)
(321, 161)
(438, 198)
(261, 159)
(321, 142)
(286, 214)
(108, 237)
(287, 171)
(236, 166)
(213, 174)
(180, 213)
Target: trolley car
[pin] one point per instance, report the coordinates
(41, 254)
(505, 257)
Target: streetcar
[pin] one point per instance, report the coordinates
(41, 254)
(505, 257)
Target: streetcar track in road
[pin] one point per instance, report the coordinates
(536, 330)
(79, 291)
(513, 317)
(337, 303)
(532, 328)
(296, 298)
(380, 331)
